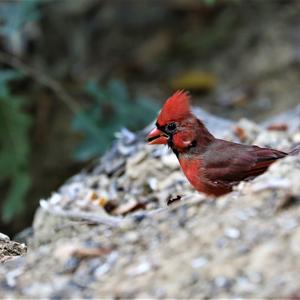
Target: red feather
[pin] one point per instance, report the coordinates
(176, 108)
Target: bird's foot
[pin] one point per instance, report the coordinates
(174, 199)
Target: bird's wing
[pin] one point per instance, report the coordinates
(230, 162)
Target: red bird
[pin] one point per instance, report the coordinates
(213, 166)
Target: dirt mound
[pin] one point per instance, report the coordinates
(109, 233)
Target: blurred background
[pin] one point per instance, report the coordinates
(74, 72)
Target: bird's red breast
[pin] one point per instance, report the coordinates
(196, 173)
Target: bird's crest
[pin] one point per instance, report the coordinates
(176, 108)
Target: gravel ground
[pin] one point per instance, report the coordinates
(108, 231)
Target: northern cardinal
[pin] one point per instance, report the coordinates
(213, 166)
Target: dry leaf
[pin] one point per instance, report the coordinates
(90, 252)
(278, 127)
(195, 81)
(240, 133)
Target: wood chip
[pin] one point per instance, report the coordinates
(128, 207)
(240, 133)
(90, 252)
(278, 127)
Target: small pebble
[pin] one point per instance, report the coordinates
(199, 262)
(142, 268)
(232, 233)
(222, 282)
(288, 223)
(4, 237)
(102, 270)
(152, 182)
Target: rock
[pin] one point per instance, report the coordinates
(10, 249)
(4, 237)
(243, 244)
(232, 233)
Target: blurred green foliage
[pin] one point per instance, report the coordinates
(14, 14)
(14, 121)
(15, 144)
(209, 2)
(111, 108)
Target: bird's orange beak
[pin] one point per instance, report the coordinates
(156, 136)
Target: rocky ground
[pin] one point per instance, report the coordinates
(10, 249)
(108, 232)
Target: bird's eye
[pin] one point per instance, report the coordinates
(171, 127)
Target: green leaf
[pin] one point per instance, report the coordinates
(14, 202)
(92, 142)
(89, 148)
(210, 2)
(98, 128)
(5, 77)
(118, 91)
(93, 90)
(15, 14)
(83, 122)
(14, 151)
(8, 75)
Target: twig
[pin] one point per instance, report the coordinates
(109, 220)
(41, 78)
(95, 218)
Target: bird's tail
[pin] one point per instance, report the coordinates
(295, 151)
